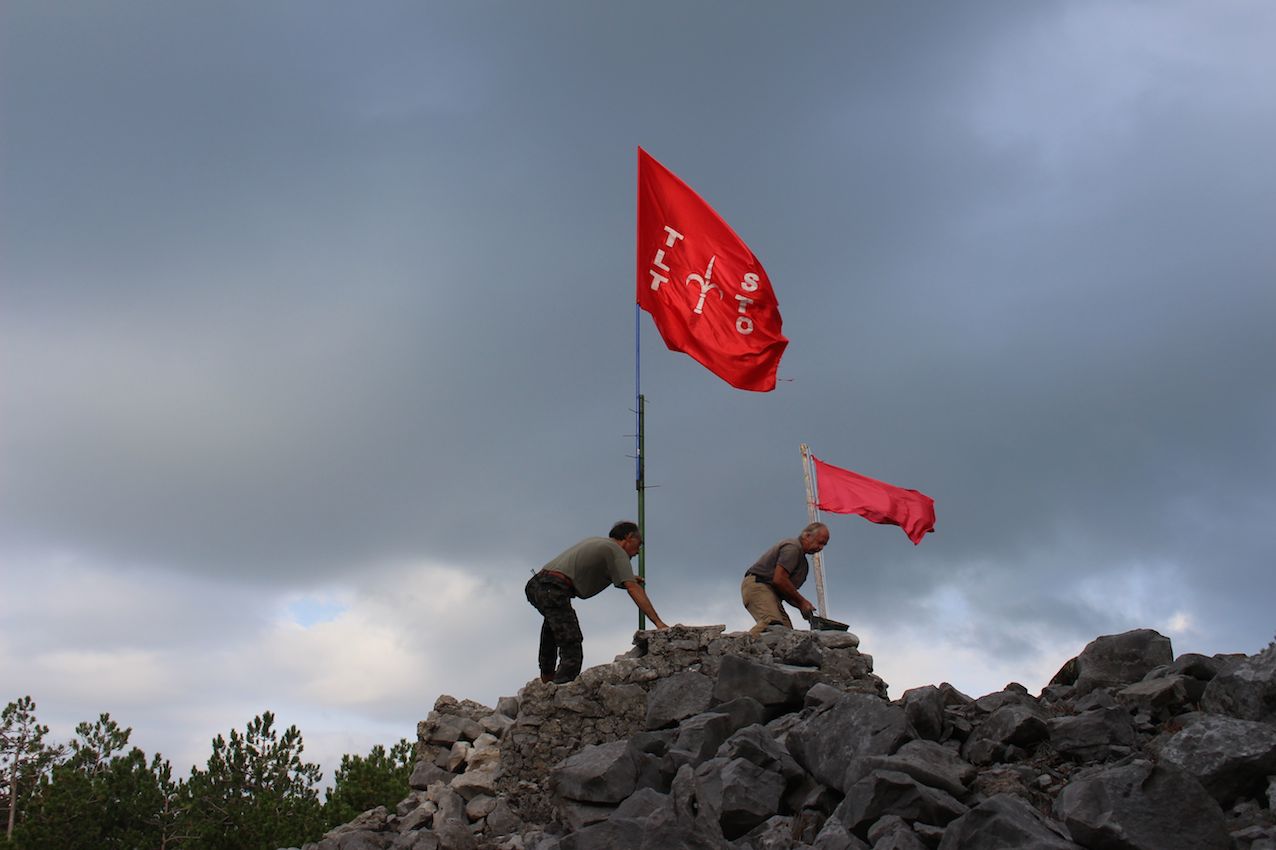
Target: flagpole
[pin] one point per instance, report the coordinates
(813, 515)
(640, 470)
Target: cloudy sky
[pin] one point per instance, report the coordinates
(317, 337)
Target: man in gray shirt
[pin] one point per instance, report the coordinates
(584, 570)
(777, 575)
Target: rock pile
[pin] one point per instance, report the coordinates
(699, 739)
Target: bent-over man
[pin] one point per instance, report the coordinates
(584, 570)
(778, 574)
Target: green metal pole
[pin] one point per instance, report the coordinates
(642, 507)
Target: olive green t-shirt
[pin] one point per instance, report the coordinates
(788, 554)
(592, 564)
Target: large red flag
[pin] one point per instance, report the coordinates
(845, 492)
(706, 292)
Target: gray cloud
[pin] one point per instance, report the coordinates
(293, 301)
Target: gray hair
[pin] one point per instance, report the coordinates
(811, 529)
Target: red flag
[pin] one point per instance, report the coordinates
(845, 492)
(706, 292)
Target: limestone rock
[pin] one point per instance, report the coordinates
(901, 838)
(1246, 690)
(1013, 724)
(885, 792)
(771, 685)
(450, 804)
(742, 794)
(453, 835)
(1118, 660)
(373, 820)
(1093, 735)
(1141, 806)
(478, 780)
(1004, 821)
(756, 745)
(855, 726)
(808, 652)
(502, 820)
(776, 833)
(835, 836)
(577, 815)
(419, 840)
(929, 763)
(426, 774)
(1164, 696)
(699, 737)
(599, 774)
(1231, 758)
(924, 708)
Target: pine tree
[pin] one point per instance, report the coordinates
(99, 798)
(362, 783)
(255, 793)
(24, 758)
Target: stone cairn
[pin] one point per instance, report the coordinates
(787, 741)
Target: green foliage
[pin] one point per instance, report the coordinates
(362, 783)
(255, 794)
(99, 797)
(24, 760)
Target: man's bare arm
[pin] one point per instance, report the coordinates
(639, 595)
(784, 586)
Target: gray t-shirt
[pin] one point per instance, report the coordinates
(592, 564)
(788, 554)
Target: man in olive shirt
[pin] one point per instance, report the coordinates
(584, 570)
(778, 574)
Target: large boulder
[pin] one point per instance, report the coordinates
(757, 745)
(889, 792)
(929, 763)
(894, 833)
(776, 833)
(426, 773)
(835, 836)
(1246, 690)
(605, 773)
(678, 697)
(1117, 660)
(699, 737)
(1013, 724)
(857, 725)
(774, 685)
(924, 708)
(1163, 696)
(1231, 758)
(1141, 806)
(1005, 822)
(660, 822)
(1093, 735)
(743, 794)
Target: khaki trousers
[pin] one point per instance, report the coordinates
(763, 603)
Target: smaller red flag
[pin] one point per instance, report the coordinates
(845, 492)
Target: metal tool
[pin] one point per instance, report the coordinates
(823, 624)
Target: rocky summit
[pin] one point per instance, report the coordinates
(727, 741)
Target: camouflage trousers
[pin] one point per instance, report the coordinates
(561, 653)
